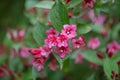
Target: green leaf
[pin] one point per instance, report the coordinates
(92, 57)
(115, 31)
(39, 33)
(59, 15)
(82, 29)
(116, 57)
(73, 3)
(34, 73)
(91, 77)
(45, 4)
(109, 66)
(3, 58)
(96, 27)
(60, 61)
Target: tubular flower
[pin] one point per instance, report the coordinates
(51, 41)
(94, 43)
(69, 31)
(112, 48)
(62, 40)
(62, 51)
(88, 3)
(77, 43)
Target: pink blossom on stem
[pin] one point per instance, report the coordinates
(53, 65)
(70, 14)
(79, 58)
(2, 72)
(24, 52)
(93, 65)
(62, 40)
(14, 52)
(20, 35)
(45, 51)
(112, 48)
(69, 31)
(88, 3)
(93, 43)
(77, 43)
(67, 1)
(51, 41)
(62, 51)
(100, 55)
(35, 52)
(99, 19)
(49, 23)
(52, 31)
(39, 63)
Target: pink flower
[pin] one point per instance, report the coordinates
(24, 52)
(35, 52)
(79, 58)
(94, 43)
(100, 19)
(45, 51)
(52, 31)
(77, 43)
(2, 72)
(51, 41)
(112, 48)
(14, 52)
(62, 40)
(93, 65)
(62, 51)
(20, 35)
(67, 1)
(39, 63)
(69, 31)
(70, 14)
(16, 35)
(88, 3)
(100, 55)
(53, 65)
(49, 23)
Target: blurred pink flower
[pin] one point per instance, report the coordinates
(51, 41)
(2, 72)
(69, 31)
(14, 52)
(39, 63)
(42, 75)
(100, 55)
(35, 52)
(49, 23)
(53, 65)
(93, 65)
(45, 51)
(62, 40)
(77, 43)
(20, 35)
(70, 14)
(62, 51)
(93, 43)
(88, 3)
(52, 31)
(99, 19)
(67, 1)
(79, 58)
(24, 52)
(112, 48)
(16, 35)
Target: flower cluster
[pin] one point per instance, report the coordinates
(57, 43)
(112, 48)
